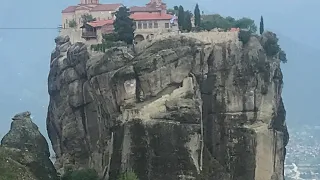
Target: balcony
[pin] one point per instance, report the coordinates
(89, 34)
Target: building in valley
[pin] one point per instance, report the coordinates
(150, 20)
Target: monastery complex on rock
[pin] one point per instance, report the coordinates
(150, 20)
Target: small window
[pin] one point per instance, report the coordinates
(166, 25)
(150, 24)
(145, 25)
(155, 25)
(139, 25)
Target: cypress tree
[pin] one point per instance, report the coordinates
(197, 16)
(187, 23)
(123, 25)
(261, 25)
(181, 18)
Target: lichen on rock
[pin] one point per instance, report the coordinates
(179, 107)
(24, 152)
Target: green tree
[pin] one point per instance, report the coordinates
(187, 25)
(197, 16)
(171, 11)
(176, 8)
(130, 175)
(84, 174)
(231, 20)
(87, 18)
(215, 21)
(246, 23)
(181, 17)
(261, 25)
(72, 23)
(123, 25)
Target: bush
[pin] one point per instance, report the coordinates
(244, 36)
(84, 174)
(129, 175)
(283, 56)
(108, 41)
(270, 43)
(213, 21)
(72, 23)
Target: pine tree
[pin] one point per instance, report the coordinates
(123, 25)
(187, 21)
(181, 17)
(261, 25)
(197, 16)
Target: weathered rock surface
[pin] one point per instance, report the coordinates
(179, 109)
(24, 152)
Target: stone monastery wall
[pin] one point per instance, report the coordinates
(211, 37)
(206, 36)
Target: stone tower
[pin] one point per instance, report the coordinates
(89, 1)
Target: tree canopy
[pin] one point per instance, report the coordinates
(124, 25)
(87, 18)
(217, 21)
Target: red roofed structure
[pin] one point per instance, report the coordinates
(149, 20)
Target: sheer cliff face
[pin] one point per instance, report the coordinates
(178, 109)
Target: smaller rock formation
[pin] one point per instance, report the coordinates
(24, 152)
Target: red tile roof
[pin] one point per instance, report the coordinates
(82, 8)
(143, 9)
(100, 23)
(106, 7)
(69, 9)
(150, 16)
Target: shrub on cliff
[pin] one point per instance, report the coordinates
(283, 56)
(108, 41)
(84, 174)
(129, 175)
(244, 36)
(269, 41)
